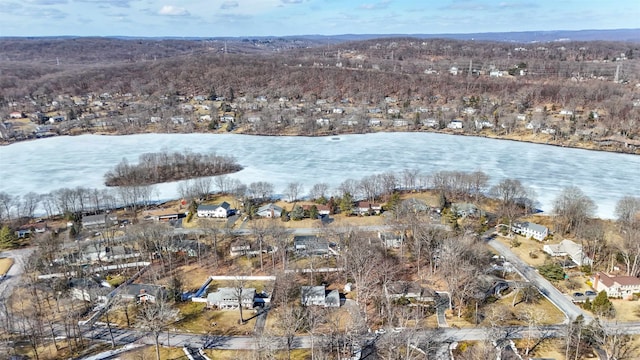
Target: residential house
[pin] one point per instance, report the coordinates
(99, 221)
(570, 249)
(319, 296)
(391, 239)
(222, 210)
(432, 123)
(310, 245)
(108, 253)
(375, 122)
(15, 115)
(409, 290)
(269, 211)
(161, 215)
(368, 208)
(87, 289)
(56, 119)
(415, 205)
(28, 229)
(243, 247)
(322, 209)
(464, 210)
(227, 298)
(616, 286)
(142, 293)
(530, 230)
(455, 124)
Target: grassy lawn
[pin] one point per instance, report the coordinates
(527, 247)
(626, 310)
(544, 311)
(5, 265)
(197, 319)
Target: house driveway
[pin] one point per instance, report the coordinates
(549, 291)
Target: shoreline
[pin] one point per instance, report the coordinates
(485, 136)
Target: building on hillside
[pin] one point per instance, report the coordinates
(616, 286)
(269, 211)
(310, 245)
(391, 239)
(570, 249)
(99, 221)
(319, 296)
(530, 230)
(222, 210)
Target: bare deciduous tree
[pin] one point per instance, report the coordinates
(572, 208)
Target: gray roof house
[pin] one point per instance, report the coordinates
(88, 290)
(319, 296)
(310, 245)
(98, 221)
(530, 230)
(227, 298)
(570, 249)
(269, 211)
(410, 290)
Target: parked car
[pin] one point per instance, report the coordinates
(590, 293)
(577, 294)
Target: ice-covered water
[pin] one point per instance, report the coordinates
(48, 164)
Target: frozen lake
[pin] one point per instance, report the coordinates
(48, 164)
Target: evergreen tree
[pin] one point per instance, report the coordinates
(8, 238)
(602, 306)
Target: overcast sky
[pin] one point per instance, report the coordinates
(212, 18)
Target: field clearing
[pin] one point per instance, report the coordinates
(626, 311)
(5, 265)
(297, 354)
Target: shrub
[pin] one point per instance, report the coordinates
(551, 272)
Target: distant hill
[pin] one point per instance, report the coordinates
(625, 35)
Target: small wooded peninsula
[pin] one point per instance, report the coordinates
(159, 167)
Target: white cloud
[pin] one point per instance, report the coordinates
(229, 5)
(170, 10)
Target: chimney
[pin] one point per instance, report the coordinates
(596, 280)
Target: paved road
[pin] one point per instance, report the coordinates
(12, 278)
(561, 301)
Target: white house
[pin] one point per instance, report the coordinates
(530, 230)
(391, 239)
(616, 286)
(570, 249)
(227, 298)
(319, 296)
(455, 124)
(222, 210)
